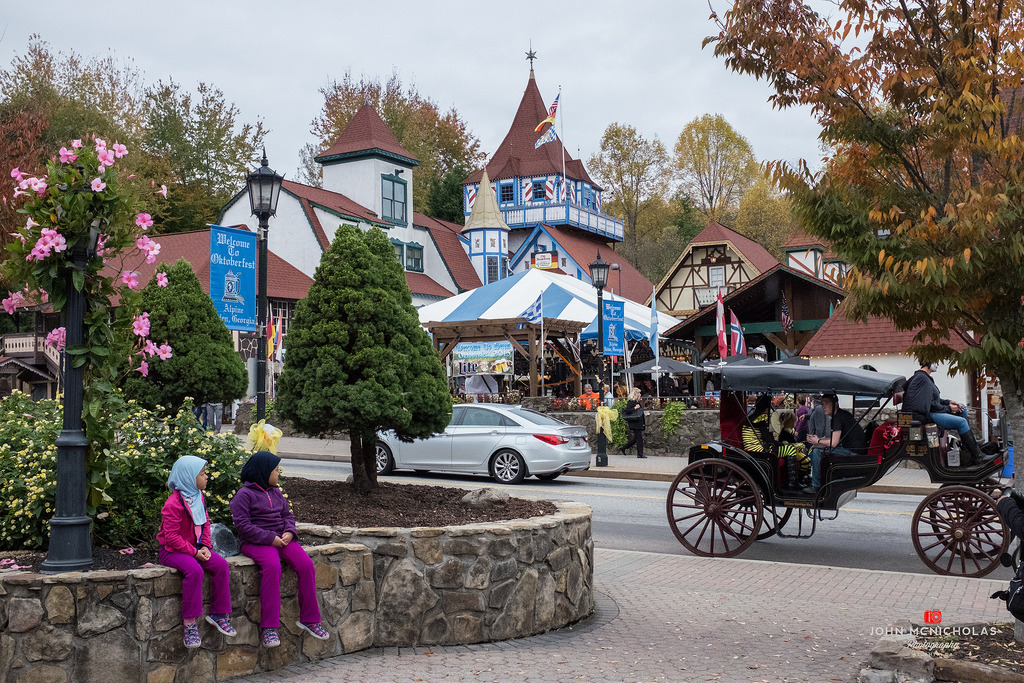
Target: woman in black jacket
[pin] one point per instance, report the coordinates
(633, 414)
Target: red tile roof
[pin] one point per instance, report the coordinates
(873, 337)
(365, 132)
(446, 236)
(716, 233)
(284, 281)
(419, 283)
(583, 251)
(517, 155)
(801, 240)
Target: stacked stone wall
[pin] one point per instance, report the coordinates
(376, 587)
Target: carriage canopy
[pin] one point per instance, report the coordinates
(791, 378)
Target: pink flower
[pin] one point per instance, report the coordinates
(38, 253)
(119, 150)
(149, 246)
(12, 302)
(143, 220)
(76, 144)
(57, 338)
(161, 279)
(144, 368)
(59, 243)
(67, 156)
(164, 352)
(140, 326)
(149, 349)
(31, 223)
(17, 235)
(163, 191)
(106, 157)
(40, 187)
(98, 185)
(16, 174)
(100, 144)
(130, 278)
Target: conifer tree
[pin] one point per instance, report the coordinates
(204, 364)
(357, 359)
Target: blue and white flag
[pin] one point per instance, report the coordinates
(548, 136)
(535, 312)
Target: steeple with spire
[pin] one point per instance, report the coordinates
(487, 234)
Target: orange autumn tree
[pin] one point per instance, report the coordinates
(921, 190)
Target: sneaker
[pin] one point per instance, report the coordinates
(223, 623)
(192, 639)
(315, 630)
(269, 637)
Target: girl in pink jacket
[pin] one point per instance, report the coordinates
(185, 545)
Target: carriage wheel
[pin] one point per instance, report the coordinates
(769, 521)
(957, 531)
(714, 508)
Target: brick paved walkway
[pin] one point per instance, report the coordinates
(678, 618)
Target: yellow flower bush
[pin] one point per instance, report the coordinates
(146, 444)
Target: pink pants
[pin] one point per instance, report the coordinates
(269, 560)
(192, 571)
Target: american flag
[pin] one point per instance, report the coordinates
(787, 322)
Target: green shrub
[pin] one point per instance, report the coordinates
(671, 418)
(620, 432)
(147, 444)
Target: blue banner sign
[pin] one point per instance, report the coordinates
(614, 327)
(233, 276)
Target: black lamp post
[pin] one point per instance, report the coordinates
(70, 544)
(264, 190)
(599, 276)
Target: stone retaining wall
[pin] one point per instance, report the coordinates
(402, 587)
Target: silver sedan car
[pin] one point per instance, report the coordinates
(509, 443)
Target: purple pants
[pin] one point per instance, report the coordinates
(269, 560)
(192, 571)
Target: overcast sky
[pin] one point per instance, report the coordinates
(638, 63)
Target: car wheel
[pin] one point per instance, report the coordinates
(549, 477)
(508, 467)
(385, 460)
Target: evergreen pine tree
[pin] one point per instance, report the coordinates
(357, 359)
(204, 364)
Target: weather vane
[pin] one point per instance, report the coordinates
(531, 55)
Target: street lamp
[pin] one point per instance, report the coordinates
(70, 544)
(264, 190)
(599, 277)
(617, 268)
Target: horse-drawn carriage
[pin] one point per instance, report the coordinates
(728, 497)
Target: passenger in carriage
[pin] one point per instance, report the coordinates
(757, 438)
(844, 437)
(922, 399)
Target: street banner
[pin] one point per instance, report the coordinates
(233, 276)
(614, 327)
(493, 358)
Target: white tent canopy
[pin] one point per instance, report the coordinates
(565, 298)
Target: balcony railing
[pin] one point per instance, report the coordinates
(30, 347)
(563, 213)
(708, 295)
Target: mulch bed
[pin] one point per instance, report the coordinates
(998, 649)
(335, 503)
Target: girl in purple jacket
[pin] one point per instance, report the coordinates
(266, 531)
(185, 545)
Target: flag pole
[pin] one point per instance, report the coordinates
(543, 342)
(561, 144)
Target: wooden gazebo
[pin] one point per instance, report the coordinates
(561, 333)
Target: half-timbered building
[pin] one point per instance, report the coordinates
(814, 256)
(716, 259)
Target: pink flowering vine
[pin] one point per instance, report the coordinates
(67, 156)
(98, 185)
(164, 352)
(161, 279)
(143, 368)
(140, 326)
(120, 150)
(57, 338)
(12, 302)
(144, 220)
(130, 278)
(76, 144)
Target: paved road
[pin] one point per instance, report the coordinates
(872, 532)
(680, 618)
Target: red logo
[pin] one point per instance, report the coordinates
(933, 616)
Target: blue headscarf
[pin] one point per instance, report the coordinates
(183, 480)
(259, 467)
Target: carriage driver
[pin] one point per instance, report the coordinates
(922, 399)
(846, 438)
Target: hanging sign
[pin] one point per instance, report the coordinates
(233, 276)
(614, 327)
(493, 358)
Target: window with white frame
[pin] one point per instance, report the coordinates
(393, 199)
